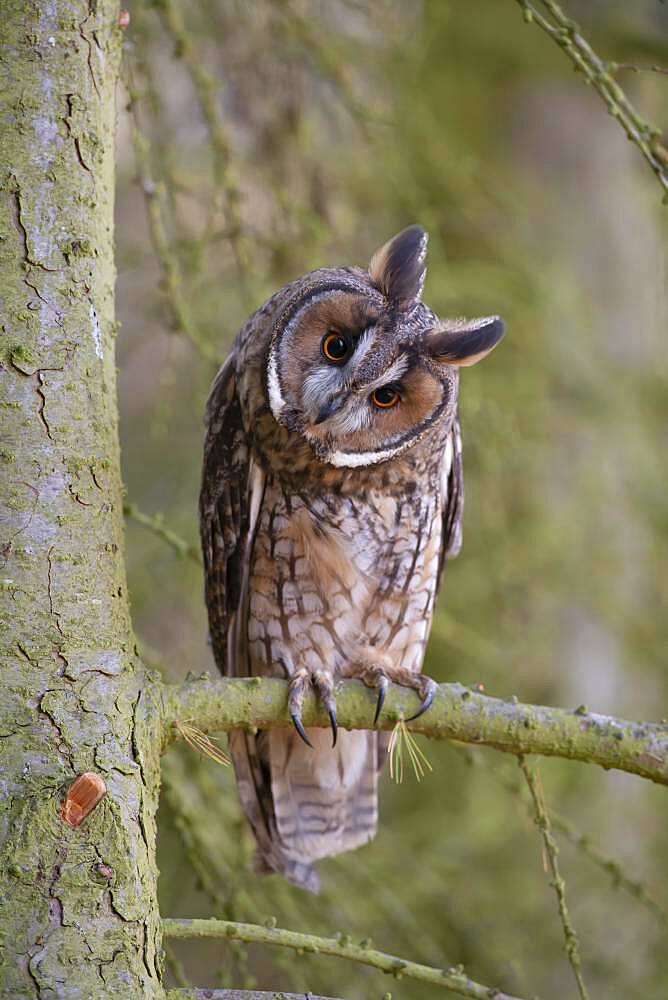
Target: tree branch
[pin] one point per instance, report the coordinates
(241, 995)
(542, 820)
(457, 713)
(156, 524)
(453, 980)
(170, 267)
(206, 87)
(600, 74)
(581, 841)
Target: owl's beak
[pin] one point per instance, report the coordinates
(329, 408)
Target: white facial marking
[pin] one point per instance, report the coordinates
(355, 416)
(391, 374)
(276, 400)
(319, 385)
(362, 348)
(353, 460)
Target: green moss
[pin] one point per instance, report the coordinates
(21, 354)
(82, 247)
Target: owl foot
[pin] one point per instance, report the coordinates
(426, 690)
(382, 684)
(322, 685)
(378, 677)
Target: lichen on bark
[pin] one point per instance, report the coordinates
(78, 907)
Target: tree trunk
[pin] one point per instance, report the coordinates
(78, 906)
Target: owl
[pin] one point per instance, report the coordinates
(331, 498)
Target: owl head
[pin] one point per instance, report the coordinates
(360, 367)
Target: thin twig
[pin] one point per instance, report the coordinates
(188, 827)
(154, 198)
(227, 193)
(156, 524)
(566, 33)
(614, 67)
(611, 867)
(552, 851)
(317, 45)
(453, 980)
(205, 745)
(400, 738)
(634, 887)
(175, 966)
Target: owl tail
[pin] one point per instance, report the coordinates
(305, 804)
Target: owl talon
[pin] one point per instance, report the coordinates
(331, 711)
(426, 702)
(296, 719)
(322, 686)
(382, 686)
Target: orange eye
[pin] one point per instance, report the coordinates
(385, 397)
(335, 347)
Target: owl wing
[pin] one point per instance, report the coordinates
(231, 499)
(453, 494)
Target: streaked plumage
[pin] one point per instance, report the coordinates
(332, 494)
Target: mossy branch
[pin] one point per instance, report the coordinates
(457, 713)
(190, 994)
(600, 75)
(454, 980)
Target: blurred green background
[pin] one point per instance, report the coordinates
(275, 137)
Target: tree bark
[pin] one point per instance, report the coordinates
(78, 906)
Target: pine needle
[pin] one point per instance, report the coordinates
(202, 743)
(402, 737)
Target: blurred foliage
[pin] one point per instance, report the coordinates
(282, 135)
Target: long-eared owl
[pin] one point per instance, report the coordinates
(331, 498)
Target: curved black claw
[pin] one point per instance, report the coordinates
(300, 729)
(426, 702)
(331, 711)
(383, 685)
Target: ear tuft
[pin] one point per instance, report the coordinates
(398, 269)
(464, 341)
